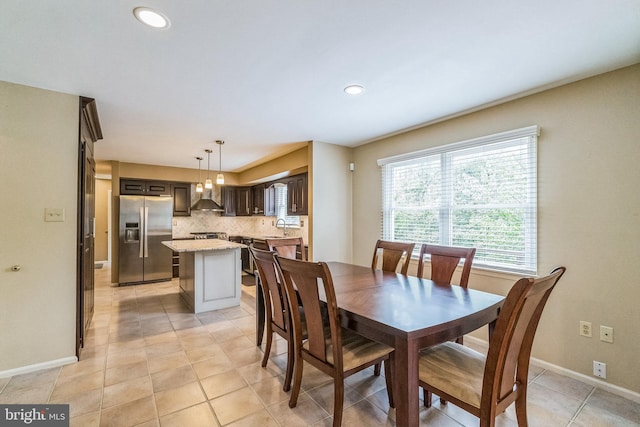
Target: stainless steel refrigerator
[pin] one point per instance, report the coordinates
(145, 222)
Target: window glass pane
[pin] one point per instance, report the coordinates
(281, 207)
(478, 195)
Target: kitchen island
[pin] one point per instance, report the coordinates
(210, 272)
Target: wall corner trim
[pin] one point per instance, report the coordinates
(38, 366)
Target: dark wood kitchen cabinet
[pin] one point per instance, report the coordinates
(243, 201)
(297, 195)
(140, 187)
(264, 200)
(237, 201)
(270, 201)
(257, 194)
(181, 192)
(229, 201)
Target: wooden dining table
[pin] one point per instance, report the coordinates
(407, 313)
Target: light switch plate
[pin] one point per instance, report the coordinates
(54, 214)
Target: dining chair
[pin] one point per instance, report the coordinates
(277, 309)
(486, 386)
(444, 261)
(392, 253)
(287, 247)
(334, 350)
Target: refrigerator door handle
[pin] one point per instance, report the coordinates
(140, 240)
(146, 230)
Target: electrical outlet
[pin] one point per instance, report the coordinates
(606, 334)
(599, 369)
(585, 329)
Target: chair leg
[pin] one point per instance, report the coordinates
(427, 397)
(267, 346)
(338, 401)
(388, 374)
(521, 409)
(290, 362)
(297, 380)
(376, 369)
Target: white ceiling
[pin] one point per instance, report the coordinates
(265, 75)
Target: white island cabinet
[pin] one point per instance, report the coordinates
(210, 273)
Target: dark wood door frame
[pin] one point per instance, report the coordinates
(89, 131)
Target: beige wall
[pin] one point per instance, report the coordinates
(38, 170)
(103, 186)
(330, 205)
(588, 212)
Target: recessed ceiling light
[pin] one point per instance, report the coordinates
(354, 89)
(151, 18)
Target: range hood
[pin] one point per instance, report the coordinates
(206, 204)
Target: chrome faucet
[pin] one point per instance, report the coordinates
(284, 226)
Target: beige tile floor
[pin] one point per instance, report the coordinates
(149, 362)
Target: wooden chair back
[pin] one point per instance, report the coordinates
(287, 247)
(311, 280)
(275, 300)
(392, 253)
(507, 363)
(310, 284)
(444, 261)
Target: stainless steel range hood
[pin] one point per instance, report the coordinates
(207, 204)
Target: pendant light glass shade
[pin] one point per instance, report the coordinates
(220, 176)
(199, 184)
(208, 184)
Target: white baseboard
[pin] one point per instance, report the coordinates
(617, 390)
(38, 366)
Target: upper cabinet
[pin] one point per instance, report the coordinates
(229, 201)
(257, 192)
(237, 201)
(270, 201)
(264, 200)
(297, 195)
(181, 192)
(243, 201)
(139, 187)
(260, 199)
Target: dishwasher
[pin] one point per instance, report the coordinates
(248, 266)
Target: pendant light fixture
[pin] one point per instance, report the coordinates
(199, 184)
(208, 184)
(220, 177)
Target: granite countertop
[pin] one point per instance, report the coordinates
(201, 245)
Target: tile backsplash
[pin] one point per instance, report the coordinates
(234, 226)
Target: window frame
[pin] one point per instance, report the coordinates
(519, 137)
(281, 200)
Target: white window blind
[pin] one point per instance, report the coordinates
(479, 193)
(281, 207)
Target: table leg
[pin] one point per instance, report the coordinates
(260, 316)
(405, 383)
(492, 327)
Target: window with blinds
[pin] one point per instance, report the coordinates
(479, 193)
(281, 207)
